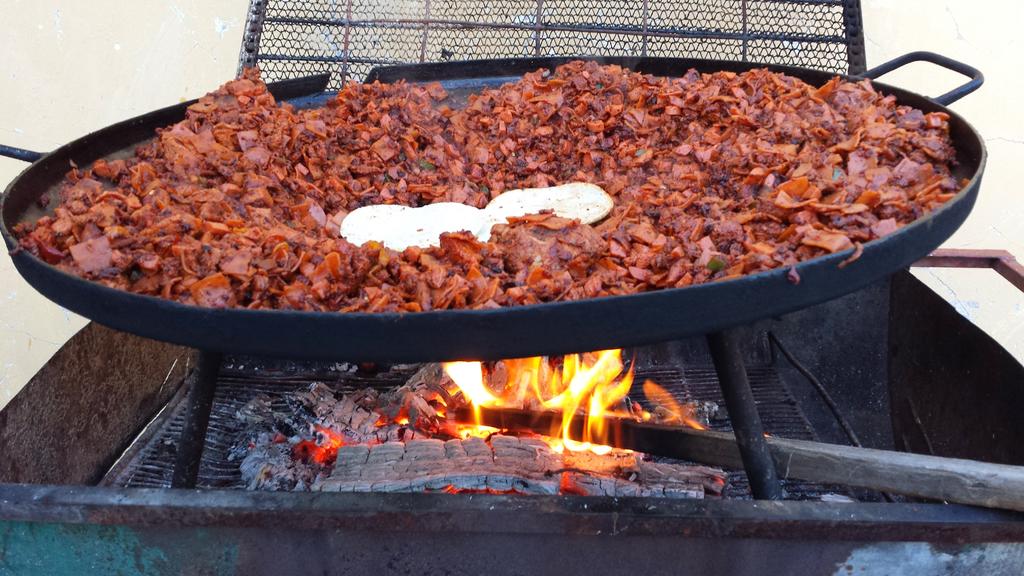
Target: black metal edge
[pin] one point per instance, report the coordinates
(515, 67)
(853, 25)
(630, 320)
(572, 515)
(631, 311)
(251, 35)
(975, 75)
(299, 87)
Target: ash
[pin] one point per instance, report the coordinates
(293, 448)
(399, 441)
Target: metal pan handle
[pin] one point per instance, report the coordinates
(975, 75)
(20, 153)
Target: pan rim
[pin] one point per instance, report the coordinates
(398, 319)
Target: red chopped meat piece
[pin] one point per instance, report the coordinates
(713, 175)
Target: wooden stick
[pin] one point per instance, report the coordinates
(950, 479)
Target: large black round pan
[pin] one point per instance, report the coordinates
(553, 328)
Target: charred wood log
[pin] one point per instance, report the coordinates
(950, 479)
(510, 464)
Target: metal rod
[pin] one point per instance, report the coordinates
(251, 35)
(656, 32)
(197, 418)
(344, 59)
(825, 396)
(647, 14)
(746, 38)
(347, 42)
(426, 28)
(537, 26)
(20, 153)
(1004, 263)
(746, 422)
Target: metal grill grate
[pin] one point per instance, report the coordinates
(688, 375)
(292, 39)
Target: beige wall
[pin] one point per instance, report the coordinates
(72, 67)
(984, 34)
(75, 66)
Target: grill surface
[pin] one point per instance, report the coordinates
(682, 368)
(288, 39)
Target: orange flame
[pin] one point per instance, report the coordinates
(660, 397)
(595, 381)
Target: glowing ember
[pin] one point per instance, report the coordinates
(595, 383)
(475, 431)
(322, 450)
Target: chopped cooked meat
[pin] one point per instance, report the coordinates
(549, 242)
(713, 176)
(92, 255)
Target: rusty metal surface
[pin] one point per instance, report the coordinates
(954, 391)
(130, 550)
(54, 530)
(1004, 263)
(500, 514)
(79, 412)
(78, 549)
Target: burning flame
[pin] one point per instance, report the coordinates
(663, 398)
(596, 382)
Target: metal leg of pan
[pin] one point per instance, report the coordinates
(197, 418)
(746, 422)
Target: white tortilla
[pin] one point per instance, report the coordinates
(581, 201)
(424, 226)
(399, 227)
(403, 227)
(363, 224)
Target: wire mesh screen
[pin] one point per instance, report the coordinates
(295, 38)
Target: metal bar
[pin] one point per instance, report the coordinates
(426, 28)
(537, 26)
(347, 42)
(20, 153)
(1004, 263)
(746, 422)
(853, 30)
(822, 392)
(669, 32)
(646, 26)
(197, 418)
(746, 39)
(919, 426)
(343, 59)
(1012, 270)
(830, 403)
(950, 479)
(247, 57)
